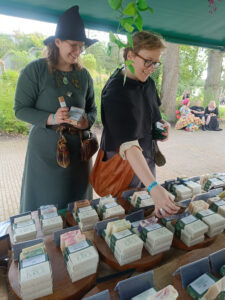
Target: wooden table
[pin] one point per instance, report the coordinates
(193, 256)
(146, 262)
(63, 288)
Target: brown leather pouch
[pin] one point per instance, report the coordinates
(112, 176)
(89, 146)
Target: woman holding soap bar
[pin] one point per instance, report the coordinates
(129, 109)
(47, 88)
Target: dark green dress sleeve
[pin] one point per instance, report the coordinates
(90, 107)
(26, 95)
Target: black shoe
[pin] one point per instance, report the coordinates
(218, 129)
(203, 128)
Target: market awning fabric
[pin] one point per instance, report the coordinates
(179, 21)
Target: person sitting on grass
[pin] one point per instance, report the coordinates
(199, 112)
(187, 120)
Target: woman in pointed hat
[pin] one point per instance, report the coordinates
(47, 180)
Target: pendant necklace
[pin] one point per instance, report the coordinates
(63, 78)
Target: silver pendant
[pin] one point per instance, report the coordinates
(69, 94)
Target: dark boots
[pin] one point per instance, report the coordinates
(203, 128)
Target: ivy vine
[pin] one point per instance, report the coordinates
(130, 19)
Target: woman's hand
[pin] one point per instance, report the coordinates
(83, 124)
(164, 204)
(59, 117)
(166, 126)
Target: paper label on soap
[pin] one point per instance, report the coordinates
(50, 215)
(189, 219)
(153, 227)
(122, 234)
(27, 262)
(76, 113)
(202, 284)
(144, 197)
(206, 212)
(24, 223)
(110, 205)
(135, 224)
(220, 203)
(86, 208)
(78, 246)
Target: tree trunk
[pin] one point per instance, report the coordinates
(170, 80)
(212, 83)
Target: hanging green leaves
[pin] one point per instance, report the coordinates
(139, 22)
(115, 4)
(130, 9)
(130, 19)
(129, 64)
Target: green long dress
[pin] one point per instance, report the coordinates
(44, 181)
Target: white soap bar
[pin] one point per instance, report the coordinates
(196, 229)
(22, 218)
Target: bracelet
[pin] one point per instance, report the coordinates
(53, 119)
(152, 185)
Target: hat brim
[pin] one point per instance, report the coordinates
(88, 42)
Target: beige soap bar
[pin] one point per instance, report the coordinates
(215, 289)
(168, 293)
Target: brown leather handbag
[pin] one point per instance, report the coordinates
(112, 176)
(89, 146)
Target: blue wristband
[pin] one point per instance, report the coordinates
(53, 119)
(152, 185)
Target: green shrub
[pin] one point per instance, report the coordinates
(8, 122)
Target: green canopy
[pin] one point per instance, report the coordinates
(179, 21)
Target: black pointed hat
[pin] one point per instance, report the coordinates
(71, 27)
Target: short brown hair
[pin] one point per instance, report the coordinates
(51, 53)
(145, 40)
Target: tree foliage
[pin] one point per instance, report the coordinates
(193, 61)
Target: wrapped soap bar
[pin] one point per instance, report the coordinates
(184, 222)
(196, 206)
(47, 209)
(222, 270)
(200, 286)
(168, 293)
(22, 219)
(76, 113)
(189, 241)
(80, 204)
(215, 290)
(213, 199)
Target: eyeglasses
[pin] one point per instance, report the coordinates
(148, 63)
(76, 47)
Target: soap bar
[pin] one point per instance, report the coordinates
(168, 293)
(31, 275)
(184, 222)
(196, 206)
(214, 221)
(217, 204)
(200, 286)
(222, 270)
(159, 236)
(80, 204)
(22, 218)
(215, 289)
